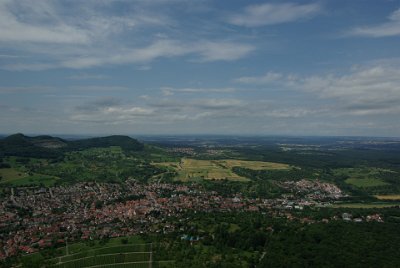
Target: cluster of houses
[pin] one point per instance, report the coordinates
(190, 151)
(313, 189)
(349, 218)
(32, 218)
(183, 150)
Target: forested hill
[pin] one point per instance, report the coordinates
(52, 147)
(125, 142)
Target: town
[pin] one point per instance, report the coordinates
(34, 218)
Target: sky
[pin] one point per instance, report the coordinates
(100, 67)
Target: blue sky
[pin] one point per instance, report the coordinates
(327, 67)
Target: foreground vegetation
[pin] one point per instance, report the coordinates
(247, 240)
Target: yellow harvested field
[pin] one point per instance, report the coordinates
(189, 169)
(256, 165)
(388, 197)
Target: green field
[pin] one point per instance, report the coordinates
(365, 205)
(364, 183)
(137, 254)
(255, 165)
(190, 169)
(18, 178)
(388, 197)
(364, 177)
(10, 174)
(116, 252)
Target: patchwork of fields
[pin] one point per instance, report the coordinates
(16, 178)
(189, 169)
(364, 177)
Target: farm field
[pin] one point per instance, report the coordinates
(17, 178)
(189, 169)
(10, 174)
(365, 205)
(364, 183)
(255, 165)
(364, 177)
(388, 197)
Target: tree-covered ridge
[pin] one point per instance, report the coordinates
(53, 147)
(21, 145)
(125, 142)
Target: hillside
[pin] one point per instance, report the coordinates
(40, 146)
(125, 142)
(53, 147)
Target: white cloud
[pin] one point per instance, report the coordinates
(222, 51)
(293, 112)
(218, 104)
(110, 110)
(27, 66)
(169, 91)
(206, 51)
(363, 91)
(26, 89)
(52, 35)
(265, 79)
(34, 89)
(84, 76)
(269, 14)
(160, 48)
(42, 26)
(391, 28)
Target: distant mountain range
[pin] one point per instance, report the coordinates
(48, 146)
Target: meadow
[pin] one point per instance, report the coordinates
(129, 255)
(17, 177)
(367, 182)
(388, 197)
(192, 169)
(364, 177)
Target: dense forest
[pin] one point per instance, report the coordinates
(254, 240)
(53, 147)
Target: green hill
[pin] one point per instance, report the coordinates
(40, 146)
(125, 142)
(54, 147)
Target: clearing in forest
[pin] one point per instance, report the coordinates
(364, 183)
(364, 177)
(189, 169)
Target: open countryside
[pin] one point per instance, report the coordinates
(179, 201)
(364, 177)
(188, 169)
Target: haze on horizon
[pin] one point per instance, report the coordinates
(200, 66)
